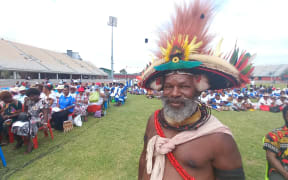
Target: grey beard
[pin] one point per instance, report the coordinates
(179, 114)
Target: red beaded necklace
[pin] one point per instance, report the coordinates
(183, 173)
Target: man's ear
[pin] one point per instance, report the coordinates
(201, 82)
(157, 84)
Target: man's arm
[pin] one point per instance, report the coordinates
(227, 162)
(142, 161)
(274, 162)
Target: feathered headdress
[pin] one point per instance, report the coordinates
(185, 47)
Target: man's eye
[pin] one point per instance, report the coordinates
(167, 87)
(185, 86)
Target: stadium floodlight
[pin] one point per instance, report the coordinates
(113, 23)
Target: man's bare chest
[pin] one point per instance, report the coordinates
(196, 153)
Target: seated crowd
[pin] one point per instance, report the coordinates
(25, 109)
(243, 99)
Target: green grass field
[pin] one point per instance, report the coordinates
(109, 148)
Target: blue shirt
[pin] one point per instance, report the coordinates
(66, 101)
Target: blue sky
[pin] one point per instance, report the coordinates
(259, 26)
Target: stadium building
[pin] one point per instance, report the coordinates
(23, 62)
(271, 73)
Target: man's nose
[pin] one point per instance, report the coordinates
(176, 92)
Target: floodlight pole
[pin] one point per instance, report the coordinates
(112, 22)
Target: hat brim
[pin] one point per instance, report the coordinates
(221, 74)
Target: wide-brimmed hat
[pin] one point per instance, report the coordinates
(60, 87)
(22, 88)
(184, 48)
(266, 95)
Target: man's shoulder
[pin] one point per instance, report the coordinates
(224, 133)
(150, 128)
(221, 138)
(151, 117)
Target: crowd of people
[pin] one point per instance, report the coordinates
(265, 98)
(26, 107)
(243, 99)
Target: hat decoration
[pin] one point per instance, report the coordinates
(185, 47)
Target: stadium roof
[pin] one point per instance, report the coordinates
(270, 70)
(20, 57)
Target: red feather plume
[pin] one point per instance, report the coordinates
(193, 20)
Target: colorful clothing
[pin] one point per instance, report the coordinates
(65, 101)
(36, 118)
(277, 141)
(11, 108)
(81, 104)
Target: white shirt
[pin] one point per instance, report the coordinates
(224, 98)
(204, 99)
(230, 93)
(280, 103)
(236, 94)
(73, 95)
(238, 104)
(115, 91)
(20, 98)
(210, 97)
(217, 101)
(265, 102)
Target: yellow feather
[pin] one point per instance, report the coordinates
(193, 46)
(217, 51)
(188, 48)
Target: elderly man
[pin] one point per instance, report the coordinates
(183, 140)
(276, 146)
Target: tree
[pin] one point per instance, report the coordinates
(123, 71)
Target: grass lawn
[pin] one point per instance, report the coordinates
(109, 148)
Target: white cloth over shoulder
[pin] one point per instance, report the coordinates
(158, 146)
